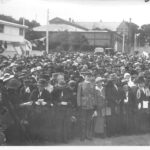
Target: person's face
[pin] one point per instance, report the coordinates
(41, 87)
(128, 77)
(99, 84)
(87, 77)
(72, 87)
(141, 85)
(61, 86)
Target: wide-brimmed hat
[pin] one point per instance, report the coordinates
(99, 79)
(13, 84)
(113, 76)
(6, 77)
(140, 79)
(88, 72)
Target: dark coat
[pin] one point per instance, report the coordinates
(24, 96)
(111, 93)
(57, 95)
(131, 104)
(45, 95)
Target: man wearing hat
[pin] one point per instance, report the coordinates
(142, 97)
(62, 105)
(72, 88)
(87, 103)
(128, 101)
(41, 92)
(112, 93)
(25, 91)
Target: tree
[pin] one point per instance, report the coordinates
(68, 41)
(29, 34)
(141, 38)
(146, 30)
(8, 18)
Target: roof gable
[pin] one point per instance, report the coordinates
(58, 20)
(12, 24)
(101, 25)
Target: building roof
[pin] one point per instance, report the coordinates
(58, 27)
(101, 25)
(58, 20)
(13, 24)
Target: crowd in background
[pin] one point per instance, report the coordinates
(62, 96)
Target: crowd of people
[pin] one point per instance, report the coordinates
(66, 95)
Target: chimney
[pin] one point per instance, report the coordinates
(69, 19)
(130, 20)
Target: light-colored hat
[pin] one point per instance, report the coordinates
(38, 68)
(127, 75)
(33, 70)
(6, 77)
(99, 79)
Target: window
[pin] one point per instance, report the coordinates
(1, 28)
(20, 31)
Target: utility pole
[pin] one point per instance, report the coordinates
(23, 29)
(134, 41)
(47, 33)
(123, 44)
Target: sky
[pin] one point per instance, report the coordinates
(79, 10)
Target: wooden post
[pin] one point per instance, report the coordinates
(123, 44)
(47, 33)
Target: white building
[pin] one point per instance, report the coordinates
(12, 39)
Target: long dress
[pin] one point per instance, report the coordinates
(100, 120)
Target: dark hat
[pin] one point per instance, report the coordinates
(88, 72)
(13, 84)
(26, 80)
(41, 82)
(124, 82)
(45, 76)
(140, 79)
(113, 76)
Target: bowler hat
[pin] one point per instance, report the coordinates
(41, 82)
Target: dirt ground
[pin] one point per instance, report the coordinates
(134, 140)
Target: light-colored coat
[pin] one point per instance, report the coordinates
(86, 95)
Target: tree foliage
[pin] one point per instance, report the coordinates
(30, 34)
(146, 33)
(68, 41)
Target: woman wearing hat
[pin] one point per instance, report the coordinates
(100, 98)
(142, 96)
(62, 105)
